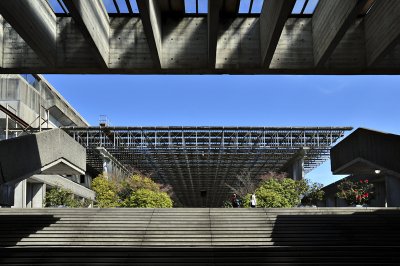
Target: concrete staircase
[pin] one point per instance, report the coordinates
(307, 236)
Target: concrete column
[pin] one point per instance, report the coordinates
(7, 194)
(107, 166)
(392, 191)
(297, 169)
(20, 194)
(38, 195)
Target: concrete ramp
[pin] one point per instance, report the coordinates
(47, 152)
(299, 236)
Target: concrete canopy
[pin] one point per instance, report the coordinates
(340, 37)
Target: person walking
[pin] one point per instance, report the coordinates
(253, 201)
(235, 201)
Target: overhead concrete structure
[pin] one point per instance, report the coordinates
(335, 37)
(199, 162)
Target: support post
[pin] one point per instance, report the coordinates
(382, 30)
(94, 23)
(273, 17)
(36, 23)
(331, 20)
(214, 9)
(150, 13)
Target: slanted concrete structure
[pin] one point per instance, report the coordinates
(50, 152)
(337, 37)
(370, 154)
(28, 103)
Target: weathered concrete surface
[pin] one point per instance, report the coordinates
(382, 30)
(334, 41)
(273, 17)
(50, 151)
(94, 23)
(150, 14)
(35, 21)
(331, 20)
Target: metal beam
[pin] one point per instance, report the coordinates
(214, 8)
(273, 17)
(382, 29)
(36, 23)
(94, 23)
(331, 20)
(150, 14)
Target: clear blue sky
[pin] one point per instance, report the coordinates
(224, 100)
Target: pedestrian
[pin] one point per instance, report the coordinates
(253, 201)
(235, 201)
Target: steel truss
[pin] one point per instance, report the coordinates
(194, 159)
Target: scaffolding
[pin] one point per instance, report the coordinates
(195, 159)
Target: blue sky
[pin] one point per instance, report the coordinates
(224, 100)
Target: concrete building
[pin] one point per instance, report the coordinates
(28, 103)
(368, 154)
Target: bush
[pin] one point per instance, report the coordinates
(56, 197)
(145, 198)
(106, 192)
(278, 193)
(137, 191)
(358, 192)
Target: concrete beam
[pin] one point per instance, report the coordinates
(331, 20)
(273, 17)
(94, 23)
(36, 23)
(214, 9)
(382, 30)
(150, 14)
(48, 152)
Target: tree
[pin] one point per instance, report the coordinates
(277, 191)
(106, 192)
(313, 193)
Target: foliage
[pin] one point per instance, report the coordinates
(245, 184)
(56, 197)
(145, 198)
(136, 191)
(313, 193)
(106, 192)
(274, 190)
(358, 192)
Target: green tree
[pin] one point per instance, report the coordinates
(57, 196)
(106, 192)
(278, 193)
(313, 193)
(145, 198)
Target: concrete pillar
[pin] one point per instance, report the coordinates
(20, 194)
(392, 191)
(107, 166)
(297, 169)
(38, 195)
(7, 194)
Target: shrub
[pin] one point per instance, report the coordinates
(277, 192)
(358, 192)
(106, 192)
(137, 191)
(145, 198)
(56, 197)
